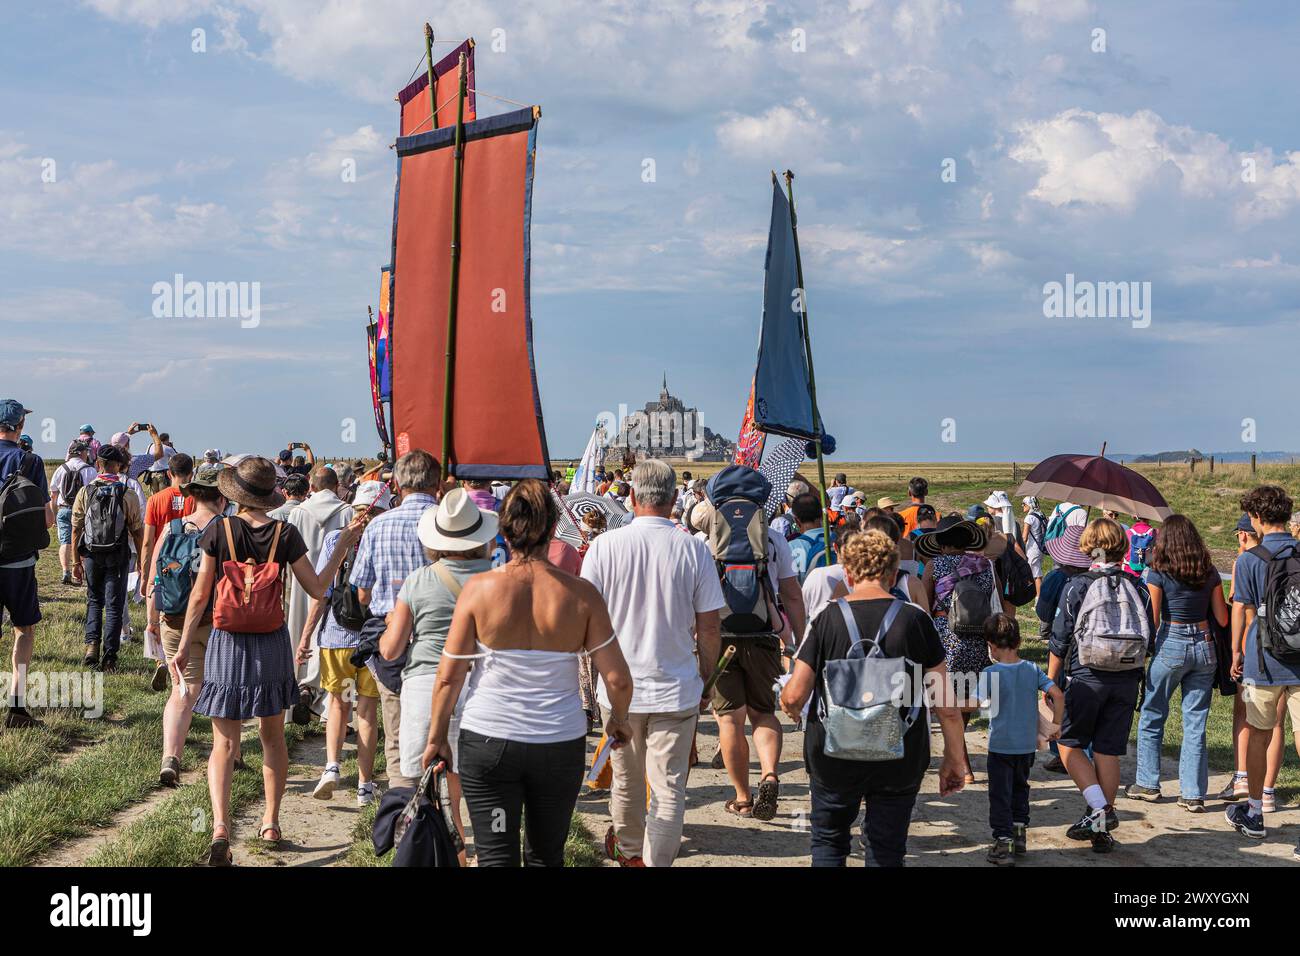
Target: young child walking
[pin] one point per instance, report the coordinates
(1012, 688)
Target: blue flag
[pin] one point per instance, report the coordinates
(782, 400)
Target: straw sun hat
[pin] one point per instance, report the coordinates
(250, 483)
(457, 524)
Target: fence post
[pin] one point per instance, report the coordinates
(1211, 464)
(1252, 462)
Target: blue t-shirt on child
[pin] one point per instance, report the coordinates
(1013, 703)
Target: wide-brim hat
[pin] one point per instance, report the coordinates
(952, 532)
(1065, 548)
(457, 524)
(206, 475)
(886, 502)
(251, 483)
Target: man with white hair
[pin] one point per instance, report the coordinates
(664, 596)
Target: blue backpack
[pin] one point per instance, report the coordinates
(737, 534)
(178, 563)
(1138, 547)
(809, 551)
(1056, 527)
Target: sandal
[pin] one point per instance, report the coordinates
(219, 852)
(741, 808)
(769, 788)
(270, 828)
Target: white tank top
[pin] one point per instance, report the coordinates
(528, 696)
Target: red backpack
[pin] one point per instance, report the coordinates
(249, 595)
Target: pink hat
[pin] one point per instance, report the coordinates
(121, 439)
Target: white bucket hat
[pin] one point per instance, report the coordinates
(997, 499)
(372, 493)
(457, 524)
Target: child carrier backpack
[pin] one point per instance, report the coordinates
(737, 534)
(1138, 547)
(859, 709)
(971, 603)
(22, 516)
(1278, 630)
(105, 534)
(1111, 630)
(178, 563)
(249, 594)
(1056, 527)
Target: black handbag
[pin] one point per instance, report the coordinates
(417, 821)
(349, 613)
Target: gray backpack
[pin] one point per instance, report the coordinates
(1111, 630)
(859, 705)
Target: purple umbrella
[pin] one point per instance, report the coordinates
(1097, 482)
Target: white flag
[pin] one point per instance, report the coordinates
(584, 479)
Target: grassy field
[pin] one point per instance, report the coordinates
(78, 774)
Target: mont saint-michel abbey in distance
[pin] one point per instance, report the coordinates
(668, 429)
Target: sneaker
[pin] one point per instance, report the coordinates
(1192, 804)
(170, 775)
(67, 577)
(618, 856)
(1101, 820)
(1102, 842)
(329, 781)
(301, 713)
(365, 793)
(92, 655)
(1138, 792)
(1235, 789)
(1055, 766)
(1244, 822)
(159, 680)
(1002, 853)
(1270, 801)
(1020, 838)
(18, 718)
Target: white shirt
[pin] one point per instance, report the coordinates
(655, 579)
(818, 587)
(75, 465)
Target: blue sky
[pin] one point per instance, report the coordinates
(925, 296)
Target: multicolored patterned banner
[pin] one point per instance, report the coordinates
(381, 426)
(383, 364)
(749, 446)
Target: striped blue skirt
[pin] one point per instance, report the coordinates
(247, 675)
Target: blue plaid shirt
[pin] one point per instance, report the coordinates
(390, 550)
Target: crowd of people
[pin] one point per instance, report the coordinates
(452, 616)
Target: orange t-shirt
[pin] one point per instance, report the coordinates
(909, 518)
(165, 505)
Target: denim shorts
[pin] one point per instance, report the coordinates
(64, 521)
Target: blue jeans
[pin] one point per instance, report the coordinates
(105, 602)
(888, 816)
(1183, 659)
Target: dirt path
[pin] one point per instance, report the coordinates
(316, 832)
(953, 831)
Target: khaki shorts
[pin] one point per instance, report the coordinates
(748, 679)
(1262, 704)
(339, 676)
(171, 639)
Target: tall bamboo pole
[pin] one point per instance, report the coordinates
(453, 286)
(812, 379)
(433, 78)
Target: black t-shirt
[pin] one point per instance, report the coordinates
(252, 542)
(913, 636)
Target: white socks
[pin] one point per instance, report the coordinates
(1096, 799)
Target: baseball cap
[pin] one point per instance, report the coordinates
(1243, 524)
(111, 452)
(77, 446)
(121, 439)
(284, 455)
(87, 429)
(12, 412)
(372, 492)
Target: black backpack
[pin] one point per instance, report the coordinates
(105, 529)
(69, 484)
(23, 531)
(1016, 575)
(348, 611)
(1278, 629)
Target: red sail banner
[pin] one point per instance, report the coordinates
(497, 429)
(414, 99)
